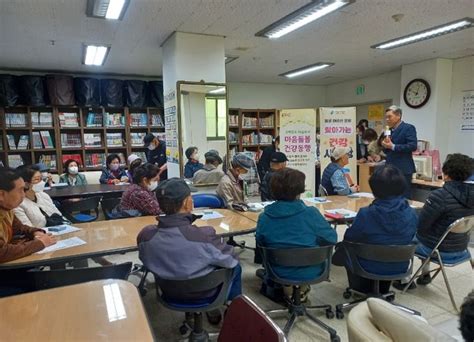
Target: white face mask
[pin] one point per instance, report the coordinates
(152, 186)
(44, 175)
(196, 156)
(73, 170)
(151, 147)
(38, 187)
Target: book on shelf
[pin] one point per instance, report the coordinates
(114, 120)
(94, 120)
(75, 156)
(160, 135)
(46, 139)
(141, 155)
(265, 139)
(138, 119)
(49, 160)
(11, 141)
(249, 122)
(233, 137)
(68, 119)
(70, 140)
(92, 140)
(233, 120)
(266, 122)
(15, 120)
(23, 142)
(250, 139)
(95, 160)
(15, 160)
(136, 139)
(37, 142)
(157, 120)
(41, 119)
(123, 161)
(114, 139)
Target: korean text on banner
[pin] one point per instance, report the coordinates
(338, 129)
(171, 129)
(298, 142)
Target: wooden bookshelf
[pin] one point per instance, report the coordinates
(33, 154)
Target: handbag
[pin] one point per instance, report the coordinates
(54, 220)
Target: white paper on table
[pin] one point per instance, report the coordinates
(63, 244)
(344, 212)
(317, 200)
(211, 215)
(361, 194)
(69, 229)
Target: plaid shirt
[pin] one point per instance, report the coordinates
(138, 198)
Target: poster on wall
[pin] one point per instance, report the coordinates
(298, 142)
(338, 128)
(467, 115)
(171, 129)
(375, 115)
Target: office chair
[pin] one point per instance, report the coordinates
(379, 253)
(245, 321)
(322, 191)
(173, 295)
(463, 225)
(208, 201)
(80, 206)
(300, 257)
(62, 277)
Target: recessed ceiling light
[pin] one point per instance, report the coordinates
(433, 32)
(95, 54)
(107, 9)
(229, 59)
(306, 69)
(302, 16)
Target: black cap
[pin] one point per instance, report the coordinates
(148, 139)
(278, 157)
(213, 155)
(174, 189)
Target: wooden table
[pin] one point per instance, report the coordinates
(337, 202)
(421, 189)
(95, 311)
(120, 236)
(106, 190)
(430, 184)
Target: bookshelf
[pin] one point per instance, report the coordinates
(51, 134)
(251, 130)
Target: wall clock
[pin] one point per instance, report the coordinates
(417, 93)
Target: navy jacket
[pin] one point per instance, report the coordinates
(265, 191)
(108, 175)
(405, 140)
(384, 222)
(326, 177)
(158, 156)
(292, 224)
(191, 167)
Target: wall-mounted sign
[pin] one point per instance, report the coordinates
(360, 89)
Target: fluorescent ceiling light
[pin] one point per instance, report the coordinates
(426, 34)
(229, 59)
(306, 69)
(95, 55)
(302, 16)
(217, 91)
(107, 9)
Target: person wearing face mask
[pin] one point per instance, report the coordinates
(113, 173)
(141, 196)
(156, 153)
(72, 176)
(37, 204)
(45, 174)
(193, 163)
(231, 186)
(263, 164)
(333, 179)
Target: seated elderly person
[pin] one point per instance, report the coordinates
(333, 178)
(209, 173)
(231, 186)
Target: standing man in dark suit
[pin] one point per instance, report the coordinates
(399, 143)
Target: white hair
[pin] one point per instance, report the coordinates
(397, 110)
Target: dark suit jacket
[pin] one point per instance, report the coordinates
(405, 140)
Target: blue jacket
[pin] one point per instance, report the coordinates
(108, 175)
(405, 140)
(191, 167)
(384, 222)
(292, 224)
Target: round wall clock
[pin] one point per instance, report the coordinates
(417, 93)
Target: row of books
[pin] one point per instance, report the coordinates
(42, 139)
(267, 121)
(68, 119)
(71, 140)
(114, 139)
(94, 120)
(49, 160)
(233, 137)
(256, 138)
(15, 120)
(23, 142)
(157, 120)
(114, 120)
(42, 119)
(136, 139)
(141, 120)
(249, 122)
(233, 120)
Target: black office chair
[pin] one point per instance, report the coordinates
(300, 257)
(379, 253)
(61, 277)
(79, 206)
(108, 205)
(173, 293)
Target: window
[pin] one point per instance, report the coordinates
(216, 118)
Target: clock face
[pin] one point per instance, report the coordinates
(417, 93)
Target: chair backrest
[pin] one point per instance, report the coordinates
(379, 253)
(322, 191)
(297, 257)
(208, 201)
(82, 204)
(218, 279)
(462, 225)
(56, 278)
(109, 204)
(245, 321)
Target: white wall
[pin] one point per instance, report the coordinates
(274, 96)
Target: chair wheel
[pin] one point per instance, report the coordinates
(329, 314)
(339, 314)
(184, 330)
(347, 294)
(335, 338)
